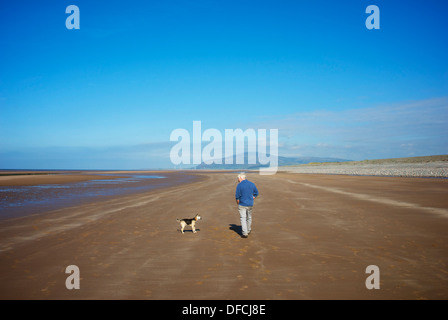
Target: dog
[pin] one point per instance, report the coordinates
(189, 222)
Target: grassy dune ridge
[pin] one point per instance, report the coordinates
(428, 166)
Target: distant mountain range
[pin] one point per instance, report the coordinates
(282, 161)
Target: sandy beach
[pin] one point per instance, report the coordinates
(313, 238)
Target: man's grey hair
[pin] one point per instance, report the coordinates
(242, 176)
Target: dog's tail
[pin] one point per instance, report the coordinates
(177, 219)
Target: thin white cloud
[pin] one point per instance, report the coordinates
(389, 130)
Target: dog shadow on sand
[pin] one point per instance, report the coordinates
(188, 230)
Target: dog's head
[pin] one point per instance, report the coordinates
(197, 217)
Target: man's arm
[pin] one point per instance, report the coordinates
(237, 194)
(255, 194)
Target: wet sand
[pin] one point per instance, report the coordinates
(30, 178)
(313, 238)
(38, 193)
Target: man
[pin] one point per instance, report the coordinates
(245, 194)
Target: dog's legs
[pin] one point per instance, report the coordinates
(182, 227)
(192, 227)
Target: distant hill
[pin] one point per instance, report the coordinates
(282, 161)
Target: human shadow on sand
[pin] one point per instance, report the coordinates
(236, 229)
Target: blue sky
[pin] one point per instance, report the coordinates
(107, 96)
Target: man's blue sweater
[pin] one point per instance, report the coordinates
(245, 192)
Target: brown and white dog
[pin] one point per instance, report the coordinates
(189, 222)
